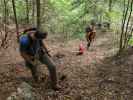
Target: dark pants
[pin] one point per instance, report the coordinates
(88, 44)
(45, 59)
(89, 41)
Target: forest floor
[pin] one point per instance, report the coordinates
(95, 75)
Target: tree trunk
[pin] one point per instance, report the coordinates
(127, 25)
(5, 15)
(33, 12)
(110, 10)
(15, 15)
(27, 11)
(38, 14)
(126, 18)
(5, 23)
(122, 27)
(110, 5)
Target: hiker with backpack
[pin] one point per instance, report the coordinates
(32, 48)
(90, 35)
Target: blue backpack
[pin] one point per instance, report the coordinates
(24, 40)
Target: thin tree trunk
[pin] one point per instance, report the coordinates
(5, 16)
(110, 10)
(125, 12)
(5, 23)
(110, 5)
(127, 25)
(38, 13)
(27, 11)
(124, 23)
(33, 11)
(15, 15)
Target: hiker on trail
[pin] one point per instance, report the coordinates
(32, 48)
(90, 34)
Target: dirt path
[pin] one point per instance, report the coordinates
(82, 82)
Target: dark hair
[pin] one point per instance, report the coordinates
(30, 29)
(41, 35)
(38, 34)
(88, 29)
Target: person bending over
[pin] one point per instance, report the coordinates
(32, 48)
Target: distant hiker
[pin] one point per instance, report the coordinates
(90, 35)
(81, 49)
(32, 48)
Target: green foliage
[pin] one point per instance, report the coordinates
(74, 15)
(79, 35)
(70, 16)
(130, 42)
(20, 5)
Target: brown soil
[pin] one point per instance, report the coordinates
(95, 75)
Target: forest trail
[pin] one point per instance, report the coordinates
(88, 75)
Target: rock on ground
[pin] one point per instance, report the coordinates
(24, 92)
